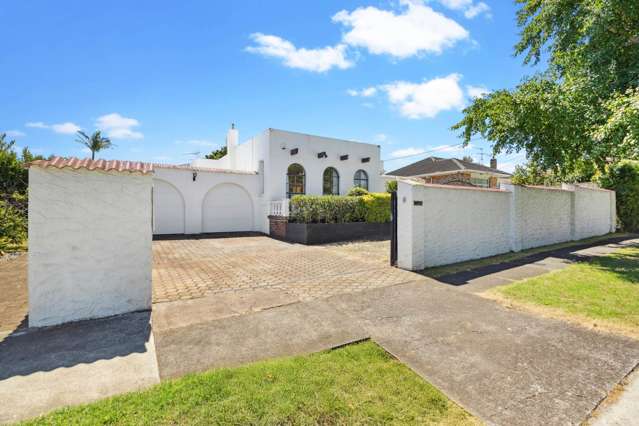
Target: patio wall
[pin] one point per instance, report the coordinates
(89, 244)
(440, 224)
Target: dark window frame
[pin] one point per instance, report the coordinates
(357, 181)
(334, 181)
(295, 181)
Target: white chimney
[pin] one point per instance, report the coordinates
(232, 137)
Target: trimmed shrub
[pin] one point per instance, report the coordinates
(13, 225)
(340, 209)
(357, 191)
(391, 186)
(623, 178)
(377, 208)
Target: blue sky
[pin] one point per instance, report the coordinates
(166, 78)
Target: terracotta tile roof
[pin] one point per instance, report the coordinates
(124, 166)
(434, 165)
(86, 163)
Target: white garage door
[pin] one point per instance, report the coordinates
(227, 208)
(168, 209)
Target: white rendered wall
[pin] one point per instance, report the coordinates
(89, 244)
(279, 159)
(236, 189)
(594, 212)
(545, 216)
(454, 224)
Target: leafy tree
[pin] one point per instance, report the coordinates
(13, 195)
(96, 142)
(623, 178)
(216, 154)
(583, 107)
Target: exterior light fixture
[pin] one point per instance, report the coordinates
(194, 175)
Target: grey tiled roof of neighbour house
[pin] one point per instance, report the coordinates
(434, 165)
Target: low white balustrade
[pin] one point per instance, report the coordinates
(279, 208)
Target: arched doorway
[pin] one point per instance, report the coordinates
(227, 207)
(168, 208)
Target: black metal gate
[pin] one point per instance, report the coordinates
(393, 245)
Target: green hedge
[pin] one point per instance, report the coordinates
(374, 208)
(623, 178)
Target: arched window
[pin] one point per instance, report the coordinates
(295, 180)
(361, 179)
(331, 182)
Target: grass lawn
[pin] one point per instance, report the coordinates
(605, 289)
(356, 384)
(440, 271)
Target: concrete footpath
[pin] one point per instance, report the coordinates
(49, 368)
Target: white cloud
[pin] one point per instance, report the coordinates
(477, 9)
(426, 99)
(36, 125)
(118, 127)
(416, 29)
(365, 93)
(405, 152)
(316, 60)
(14, 133)
(469, 8)
(67, 128)
(477, 91)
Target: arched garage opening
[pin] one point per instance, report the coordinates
(227, 207)
(168, 208)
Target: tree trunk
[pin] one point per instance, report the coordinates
(92, 155)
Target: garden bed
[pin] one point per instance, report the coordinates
(320, 233)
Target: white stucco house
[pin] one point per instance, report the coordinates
(239, 191)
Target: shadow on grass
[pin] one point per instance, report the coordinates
(623, 264)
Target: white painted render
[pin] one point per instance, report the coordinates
(89, 244)
(454, 224)
(255, 170)
(213, 202)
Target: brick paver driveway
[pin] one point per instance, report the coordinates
(192, 268)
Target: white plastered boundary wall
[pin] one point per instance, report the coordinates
(89, 244)
(439, 225)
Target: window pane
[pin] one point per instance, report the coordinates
(361, 179)
(295, 180)
(330, 182)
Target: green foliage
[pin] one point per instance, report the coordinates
(623, 178)
(217, 154)
(533, 174)
(583, 107)
(391, 186)
(377, 208)
(357, 191)
(340, 209)
(13, 195)
(96, 142)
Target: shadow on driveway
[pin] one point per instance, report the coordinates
(82, 342)
(548, 260)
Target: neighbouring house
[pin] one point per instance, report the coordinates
(452, 171)
(239, 191)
